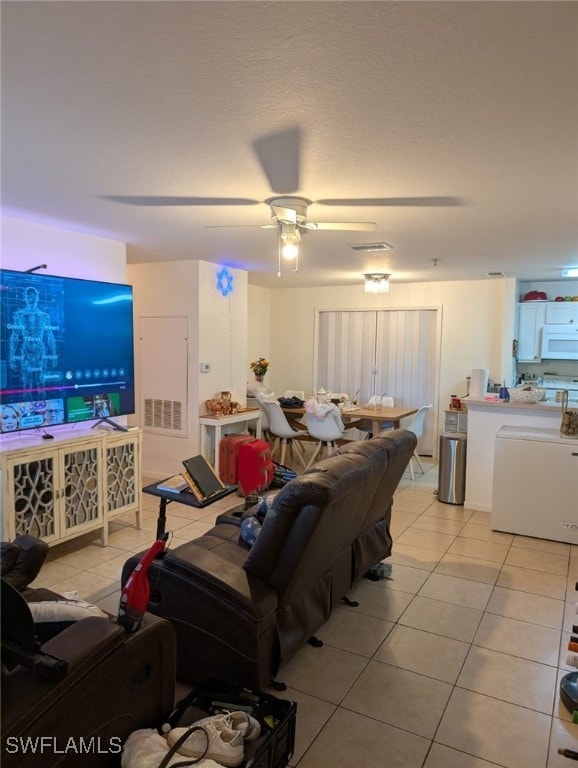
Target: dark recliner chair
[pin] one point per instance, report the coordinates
(74, 699)
(240, 615)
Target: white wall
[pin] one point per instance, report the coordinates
(72, 254)
(217, 335)
(222, 335)
(259, 328)
(477, 327)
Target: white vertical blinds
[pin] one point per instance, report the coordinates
(345, 351)
(392, 352)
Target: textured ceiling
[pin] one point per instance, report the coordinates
(104, 103)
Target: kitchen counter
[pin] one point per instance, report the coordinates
(485, 418)
(544, 406)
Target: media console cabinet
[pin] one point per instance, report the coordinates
(75, 483)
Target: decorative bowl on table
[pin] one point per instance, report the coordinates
(526, 394)
(215, 407)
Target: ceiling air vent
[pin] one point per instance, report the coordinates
(372, 247)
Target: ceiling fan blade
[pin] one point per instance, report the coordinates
(361, 226)
(279, 155)
(284, 214)
(398, 201)
(240, 226)
(152, 200)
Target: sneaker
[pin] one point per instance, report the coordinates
(248, 726)
(213, 740)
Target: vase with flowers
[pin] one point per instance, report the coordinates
(259, 368)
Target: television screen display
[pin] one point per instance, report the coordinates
(66, 350)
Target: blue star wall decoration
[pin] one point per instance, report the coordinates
(225, 281)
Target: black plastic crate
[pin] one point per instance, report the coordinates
(277, 717)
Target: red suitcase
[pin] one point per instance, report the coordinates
(254, 467)
(228, 456)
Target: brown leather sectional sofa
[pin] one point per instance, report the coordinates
(240, 614)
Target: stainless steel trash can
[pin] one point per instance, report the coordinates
(452, 468)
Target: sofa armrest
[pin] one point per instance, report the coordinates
(104, 662)
(219, 570)
(23, 560)
(86, 642)
(83, 646)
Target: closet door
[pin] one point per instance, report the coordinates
(345, 355)
(392, 352)
(407, 362)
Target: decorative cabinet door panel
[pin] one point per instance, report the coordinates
(123, 474)
(81, 496)
(33, 485)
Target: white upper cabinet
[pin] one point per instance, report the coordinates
(561, 312)
(531, 319)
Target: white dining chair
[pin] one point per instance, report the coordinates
(366, 425)
(416, 426)
(284, 434)
(327, 428)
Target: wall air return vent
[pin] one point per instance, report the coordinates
(372, 247)
(163, 414)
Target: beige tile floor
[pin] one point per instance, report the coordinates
(454, 662)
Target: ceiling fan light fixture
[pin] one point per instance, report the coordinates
(376, 282)
(290, 239)
(289, 249)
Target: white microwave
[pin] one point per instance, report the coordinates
(560, 342)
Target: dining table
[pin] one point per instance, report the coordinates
(352, 416)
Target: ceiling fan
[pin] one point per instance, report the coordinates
(290, 214)
(279, 156)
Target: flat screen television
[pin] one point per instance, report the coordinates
(66, 350)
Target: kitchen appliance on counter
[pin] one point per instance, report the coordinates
(552, 384)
